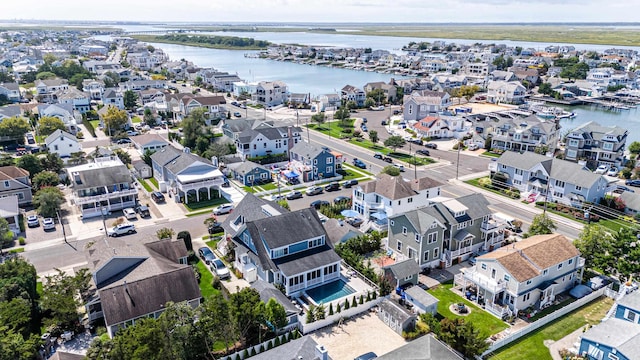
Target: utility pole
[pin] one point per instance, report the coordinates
(458, 160)
(64, 233)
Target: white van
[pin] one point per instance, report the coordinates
(510, 220)
(129, 213)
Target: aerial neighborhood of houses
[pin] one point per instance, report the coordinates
(456, 188)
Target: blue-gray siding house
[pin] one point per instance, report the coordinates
(250, 173)
(617, 338)
(317, 162)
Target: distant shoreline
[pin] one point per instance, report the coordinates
(159, 39)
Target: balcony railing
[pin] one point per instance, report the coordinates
(492, 225)
(95, 315)
(201, 184)
(494, 239)
(103, 197)
(484, 282)
(462, 251)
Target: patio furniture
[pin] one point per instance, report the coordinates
(67, 335)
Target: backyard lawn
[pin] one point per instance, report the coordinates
(410, 158)
(482, 320)
(206, 278)
(193, 206)
(532, 346)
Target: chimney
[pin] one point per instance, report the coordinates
(321, 353)
(214, 161)
(186, 150)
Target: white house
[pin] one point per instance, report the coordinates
(62, 143)
(65, 112)
(149, 142)
(45, 89)
(511, 92)
(80, 100)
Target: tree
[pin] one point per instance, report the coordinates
(373, 136)
(31, 163)
(45, 179)
(165, 233)
(146, 157)
(14, 128)
(48, 124)
(467, 91)
(319, 118)
(342, 114)
(463, 336)
(276, 315)
(595, 246)
(186, 237)
(245, 313)
(45, 75)
(634, 147)
(6, 236)
(215, 317)
(52, 162)
(62, 296)
(541, 224)
(111, 79)
(115, 119)
(47, 201)
(391, 170)
(394, 142)
(148, 117)
(130, 99)
(193, 127)
(123, 156)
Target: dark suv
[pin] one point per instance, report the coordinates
(333, 186)
(157, 197)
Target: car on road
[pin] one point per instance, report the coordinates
(333, 186)
(341, 199)
(223, 209)
(378, 155)
(613, 171)
(635, 182)
(214, 228)
(318, 203)
(364, 128)
(218, 268)
(277, 197)
(387, 159)
(367, 356)
(157, 197)
(359, 163)
(415, 141)
(123, 141)
(32, 221)
(349, 183)
(122, 229)
(48, 224)
(206, 254)
(431, 145)
(383, 123)
(423, 152)
(364, 120)
(400, 167)
(237, 114)
(294, 195)
(235, 103)
(602, 169)
(314, 190)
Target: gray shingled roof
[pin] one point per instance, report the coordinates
(250, 207)
(302, 348)
(102, 176)
(395, 187)
(184, 160)
(268, 291)
(423, 348)
(304, 148)
(421, 296)
(166, 155)
(631, 301)
(396, 311)
(404, 269)
(596, 131)
(289, 228)
(620, 334)
(56, 134)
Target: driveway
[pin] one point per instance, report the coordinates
(358, 335)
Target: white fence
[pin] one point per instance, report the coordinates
(544, 321)
(264, 345)
(335, 318)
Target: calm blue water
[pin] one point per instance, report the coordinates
(329, 292)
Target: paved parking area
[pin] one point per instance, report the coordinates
(358, 335)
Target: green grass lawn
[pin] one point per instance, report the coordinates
(490, 154)
(145, 185)
(201, 212)
(410, 158)
(476, 183)
(335, 128)
(16, 250)
(269, 186)
(95, 123)
(532, 346)
(355, 170)
(154, 182)
(367, 144)
(136, 120)
(249, 189)
(612, 224)
(205, 204)
(350, 174)
(206, 278)
(486, 323)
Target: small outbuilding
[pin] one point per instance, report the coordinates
(422, 301)
(396, 317)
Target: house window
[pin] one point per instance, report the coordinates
(507, 277)
(329, 170)
(518, 171)
(484, 266)
(559, 183)
(426, 256)
(528, 282)
(391, 222)
(570, 261)
(545, 272)
(399, 246)
(417, 238)
(329, 160)
(578, 188)
(432, 237)
(607, 146)
(612, 357)
(408, 278)
(436, 253)
(55, 147)
(411, 253)
(493, 273)
(573, 142)
(409, 200)
(6, 183)
(630, 315)
(404, 230)
(559, 266)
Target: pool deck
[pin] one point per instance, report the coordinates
(354, 282)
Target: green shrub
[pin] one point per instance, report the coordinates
(330, 309)
(346, 304)
(354, 303)
(21, 240)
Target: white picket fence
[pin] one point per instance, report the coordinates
(544, 321)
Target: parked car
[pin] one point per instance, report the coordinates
(416, 141)
(122, 229)
(215, 228)
(123, 141)
(132, 133)
(143, 211)
(48, 224)
(318, 203)
(294, 195)
(431, 145)
(33, 221)
(314, 190)
(613, 171)
(378, 155)
(602, 169)
(129, 213)
(364, 120)
(237, 114)
(367, 356)
(223, 209)
(206, 255)
(355, 222)
(620, 189)
(218, 268)
(277, 197)
(341, 199)
(364, 128)
(423, 152)
(359, 163)
(333, 186)
(632, 183)
(349, 183)
(400, 167)
(473, 147)
(157, 197)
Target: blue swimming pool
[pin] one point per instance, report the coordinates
(330, 291)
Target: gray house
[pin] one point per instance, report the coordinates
(562, 181)
(15, 182)
(445, 232)
(597, 145)
(402, 273)
(398, 318)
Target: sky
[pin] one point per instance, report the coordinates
(328, 11)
